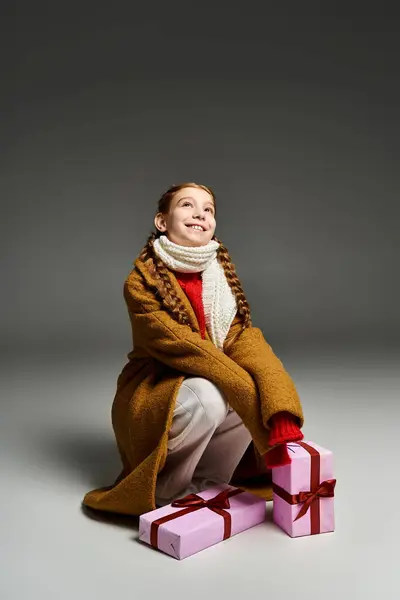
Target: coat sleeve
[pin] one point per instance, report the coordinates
(177, 346)
(277, 390)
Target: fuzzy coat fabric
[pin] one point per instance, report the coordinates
(249, 374)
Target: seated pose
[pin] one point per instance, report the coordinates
(203, 399)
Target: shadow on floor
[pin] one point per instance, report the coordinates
(92, 456)
(89, 456)
(125, 521)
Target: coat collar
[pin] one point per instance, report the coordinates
(143, 269)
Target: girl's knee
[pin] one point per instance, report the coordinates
(205, 397)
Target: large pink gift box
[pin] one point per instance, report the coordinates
(303, 491)
(198, 521)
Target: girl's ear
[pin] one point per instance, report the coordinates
(159, 222)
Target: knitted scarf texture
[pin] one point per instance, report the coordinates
(218, 299)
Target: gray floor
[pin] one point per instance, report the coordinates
(56, 443)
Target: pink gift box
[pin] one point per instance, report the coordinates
(303, 502)
(214, 519)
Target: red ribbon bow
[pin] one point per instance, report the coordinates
(324, 490)
(193, 502)
(220, 501)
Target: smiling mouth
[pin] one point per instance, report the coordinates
(196, 228)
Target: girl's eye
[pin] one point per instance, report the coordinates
(190, 204)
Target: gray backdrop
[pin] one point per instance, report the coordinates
(291, 118)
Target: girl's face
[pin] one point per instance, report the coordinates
(189, 206)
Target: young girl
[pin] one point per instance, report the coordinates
(203, 399)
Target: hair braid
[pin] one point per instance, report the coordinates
(164, 288)
(235, 285)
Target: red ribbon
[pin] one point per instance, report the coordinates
(310, 499)
(193, 502)
(325, 490)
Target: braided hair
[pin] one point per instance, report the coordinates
(159, 270)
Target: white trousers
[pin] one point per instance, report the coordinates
(206, 441)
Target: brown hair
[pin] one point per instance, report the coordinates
(160, 271)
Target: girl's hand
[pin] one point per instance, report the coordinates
(277, 457)
(284, 429)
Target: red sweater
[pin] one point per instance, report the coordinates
(283, 425)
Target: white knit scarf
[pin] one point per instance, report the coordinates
(218, 299)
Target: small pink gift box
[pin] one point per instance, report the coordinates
(198, 521)
(303, 502)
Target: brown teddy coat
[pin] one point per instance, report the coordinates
(249, 374)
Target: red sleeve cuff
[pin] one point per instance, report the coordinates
(284, 429)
